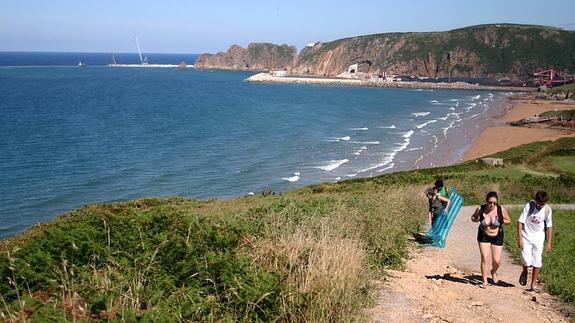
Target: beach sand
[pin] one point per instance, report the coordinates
(502, 137)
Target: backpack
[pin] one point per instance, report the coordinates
(436, 206)
(499, 215)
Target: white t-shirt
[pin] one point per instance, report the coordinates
(534, 224)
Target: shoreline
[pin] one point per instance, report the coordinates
(501, 136)
(451, 149)
(268, 78)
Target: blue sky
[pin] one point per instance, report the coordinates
(178, 26)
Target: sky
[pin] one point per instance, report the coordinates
(179, 26)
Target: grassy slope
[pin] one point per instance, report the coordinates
(305, 255)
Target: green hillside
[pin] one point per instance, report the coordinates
(304, 255)
(493, 50)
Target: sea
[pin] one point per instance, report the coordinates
(71, 136)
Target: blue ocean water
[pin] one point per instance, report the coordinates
(71, 136)
(90, 59)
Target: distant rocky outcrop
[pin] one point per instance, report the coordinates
(257, 57)
(485, 51)
(499, 51)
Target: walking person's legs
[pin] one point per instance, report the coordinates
(537, 264)
(485, 250)
(496, 261)
(534, 279)
(526, 261)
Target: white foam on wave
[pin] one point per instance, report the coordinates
(333, 164)
(477, 97)
(378, 165)
(390, 156)
(452, 108)
(417, 90)
(454, 100)
(345, 138)
(293, 178)
(425, 124)
(359, 151)
(408, 134)
(369, 142)
(360, 129)
(420, 114)
(416, 148)
(473, 116)
(386, 168)
(351, 175)
(387, 127)
(433, 101)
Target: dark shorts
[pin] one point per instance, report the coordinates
(434, 217)
(496, 240)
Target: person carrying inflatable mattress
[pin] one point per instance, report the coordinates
(438, 201)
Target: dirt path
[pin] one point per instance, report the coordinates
(441, 285)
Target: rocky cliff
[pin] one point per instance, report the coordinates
(497, 50)
(493, 51)
(257, 57)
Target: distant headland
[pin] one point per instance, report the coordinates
(482, 54)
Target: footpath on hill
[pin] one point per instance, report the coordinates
(441, 285)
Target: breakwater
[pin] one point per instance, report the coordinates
(268, 78)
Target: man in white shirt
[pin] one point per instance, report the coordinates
(534, 225)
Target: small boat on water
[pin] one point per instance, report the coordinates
(81, 64)
(144, 61)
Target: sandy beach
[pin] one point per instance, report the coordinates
(502, 137)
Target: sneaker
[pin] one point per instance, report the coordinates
(523, 278)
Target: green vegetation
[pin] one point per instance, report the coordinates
(498, 49)
(280, 55)
(499, 46)
(513, 171)
(558, 265)
(563, 89)
(305, 255)
(564, 164)
(562, 114)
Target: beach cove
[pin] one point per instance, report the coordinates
(88, 148)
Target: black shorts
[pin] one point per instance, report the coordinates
(496, 240)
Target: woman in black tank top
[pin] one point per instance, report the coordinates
(491, 217)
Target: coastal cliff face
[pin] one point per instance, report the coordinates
(257, 57)
(497, 51)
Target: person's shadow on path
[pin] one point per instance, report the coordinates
(468, 279)
(422, 239)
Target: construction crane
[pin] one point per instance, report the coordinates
(551, 78)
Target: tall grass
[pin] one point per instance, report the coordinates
(297, 257)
